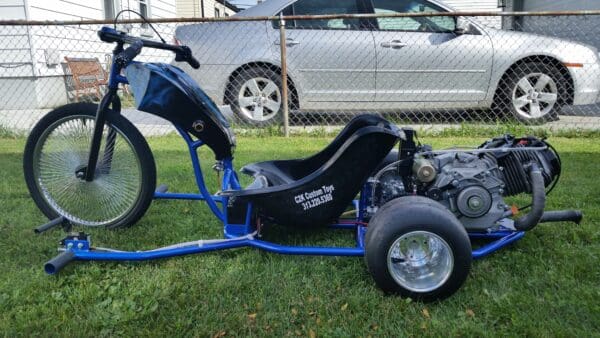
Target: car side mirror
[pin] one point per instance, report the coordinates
(463, 26)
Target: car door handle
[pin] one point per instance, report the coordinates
(288, 42)
(394, 44)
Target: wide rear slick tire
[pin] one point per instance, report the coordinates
(417, 248)
(60, 142)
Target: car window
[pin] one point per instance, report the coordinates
(321, 7)
(421, 24)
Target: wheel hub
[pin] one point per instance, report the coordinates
(534, 95)
(80, 172)
(259, 99)
(420, 261)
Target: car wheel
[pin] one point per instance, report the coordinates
(533, 93)
(255, 96)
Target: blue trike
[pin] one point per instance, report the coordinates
(413, 210)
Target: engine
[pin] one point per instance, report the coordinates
(472, 183)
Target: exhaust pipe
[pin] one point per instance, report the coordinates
(574, 216)
(538, 203)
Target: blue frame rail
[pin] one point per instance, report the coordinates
(81, 249)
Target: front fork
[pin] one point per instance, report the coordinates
(111, 98)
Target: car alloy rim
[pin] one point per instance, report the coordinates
(534, 96)
(259, 99)
(420, 261)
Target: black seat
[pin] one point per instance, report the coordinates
(317, 189)
(288, 171)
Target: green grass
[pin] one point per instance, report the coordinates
(548, 284)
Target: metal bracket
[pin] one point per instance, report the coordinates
(77, 241)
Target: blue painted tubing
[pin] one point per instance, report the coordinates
(276, 248)
(185, 196)
(491, 235)
(306, 250)
(267, 246)
(60, 261)
(498, 244)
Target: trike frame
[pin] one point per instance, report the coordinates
(78, 246)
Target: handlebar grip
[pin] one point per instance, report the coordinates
(54, 265)
(193, 62)
(129, 53)
(185, 54)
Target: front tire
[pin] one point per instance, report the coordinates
(417, 248)
(58, 148)
(533, 93)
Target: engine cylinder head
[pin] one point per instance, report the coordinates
(514, 163)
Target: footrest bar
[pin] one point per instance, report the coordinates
(53, 223)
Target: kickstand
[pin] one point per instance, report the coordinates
(66, 225)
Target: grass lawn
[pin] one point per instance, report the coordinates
(548, 284)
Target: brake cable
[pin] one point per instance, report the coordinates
(143, 18)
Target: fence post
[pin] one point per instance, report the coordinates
(284, 79)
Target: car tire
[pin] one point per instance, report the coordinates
(532, 93)
(255, 96)
(415, 225)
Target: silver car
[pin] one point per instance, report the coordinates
(387, 64)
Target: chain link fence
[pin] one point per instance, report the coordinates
(434, 70)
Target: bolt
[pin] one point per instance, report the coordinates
(80, 246)
(70, 246)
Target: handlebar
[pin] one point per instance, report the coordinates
(107, 34)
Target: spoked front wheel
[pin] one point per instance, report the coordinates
(55, 160)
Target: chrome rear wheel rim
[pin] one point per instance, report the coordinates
(420, 261)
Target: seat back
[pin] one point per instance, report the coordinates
(326, 192)
(310, 164)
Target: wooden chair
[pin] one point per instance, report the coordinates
(88, 76)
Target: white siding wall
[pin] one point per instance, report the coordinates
(209, 9)
(189, 9)
(31, 57)
(15, 54)
(163, 9)
(82, 41)
(193, 9)
(479, 5)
